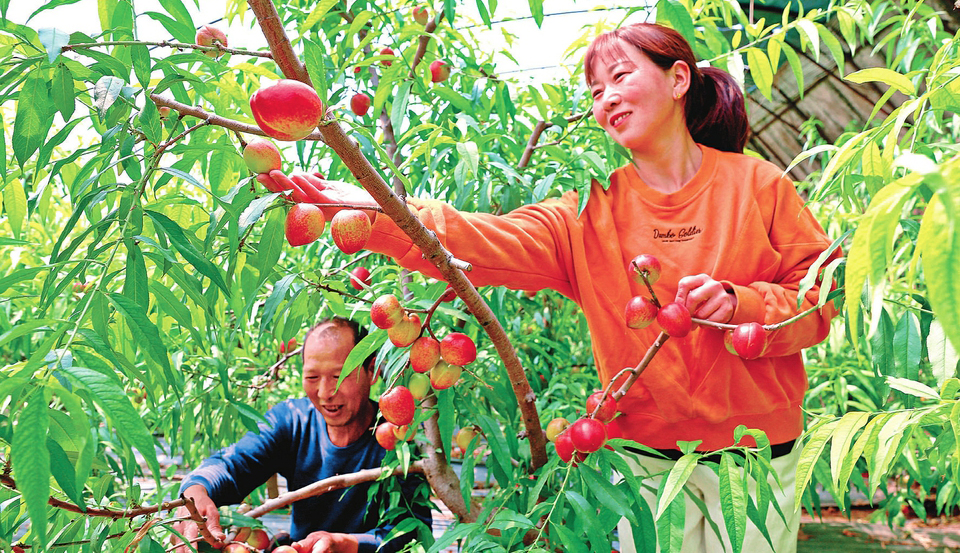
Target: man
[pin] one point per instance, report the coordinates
(324, 434)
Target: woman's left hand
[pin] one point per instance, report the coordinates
(706, 298)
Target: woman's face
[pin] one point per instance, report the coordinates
(634, 100)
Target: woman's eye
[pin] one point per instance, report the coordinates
(596, 93)
(619, 74)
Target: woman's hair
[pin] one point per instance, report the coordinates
(713, 106)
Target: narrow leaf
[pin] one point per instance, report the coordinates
(31, 462)
(148, 336)
(116, 406)
(188, 251)
(675, 481)
(15, 205)
(885, 76)
(733, 500)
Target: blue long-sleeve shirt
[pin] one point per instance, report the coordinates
(295, 444)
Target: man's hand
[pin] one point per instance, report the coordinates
(706, 298)
(189, 529)
(312, 189)
(327, 542)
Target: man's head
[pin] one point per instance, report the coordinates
(347, 410)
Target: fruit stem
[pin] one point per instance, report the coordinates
(643, 275)
(636, 371)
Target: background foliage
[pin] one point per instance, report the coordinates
(188, 285)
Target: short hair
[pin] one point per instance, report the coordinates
(359, 333)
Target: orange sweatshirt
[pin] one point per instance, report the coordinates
(737, 220)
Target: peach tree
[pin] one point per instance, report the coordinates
(152, 293)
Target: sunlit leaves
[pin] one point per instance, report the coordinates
(34, 115)
(31, 461)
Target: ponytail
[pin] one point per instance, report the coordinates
(716, 113)
(714, 107)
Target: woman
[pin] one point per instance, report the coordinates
(731, 234)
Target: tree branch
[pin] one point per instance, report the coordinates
(349, 152)
(168, 44)
(9, 482)
(283, 54)
(215, 119)
(321, 487)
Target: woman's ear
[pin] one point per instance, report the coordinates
(681, 78)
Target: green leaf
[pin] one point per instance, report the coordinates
(371, 342)
(115, 404)
(31, 462)
(27, 327)
(15, 205)
(53, 40)
(674, 14)
(273, 301)
(885, 76)
(675, 481)
(174, 307)
(939, 242)
(809, 31)
(841, 465)
(873, 243)
(106, 92)
(536, 10)
(398, 110)
(64, 94)
(63, 472)
(670, 526)
(271, 244)
(912, 387)
(314, 58)
(608, 495)
(316, 15)
(733, 500)
(760, 71)
(34, 114)
(251, 214)
(135, 279)
(795, 65)
(586, 514)
(808, 458)
(469, 152)
(146, 333)
(188, 251)
(943, 355)
(908, 345)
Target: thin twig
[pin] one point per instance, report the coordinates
(8, 481)
(167, 44)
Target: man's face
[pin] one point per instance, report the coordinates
(346, 408)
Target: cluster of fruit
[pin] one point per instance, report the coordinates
(436, 364)
(247, 539)
(588, 433)
(289, 110)
(748, 340)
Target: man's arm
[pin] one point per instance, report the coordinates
(230, 474)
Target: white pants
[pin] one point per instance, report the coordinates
(698, 534)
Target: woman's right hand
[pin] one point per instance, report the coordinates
(313, 189)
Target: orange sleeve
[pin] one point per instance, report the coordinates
(799, 240)
(527, 249)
